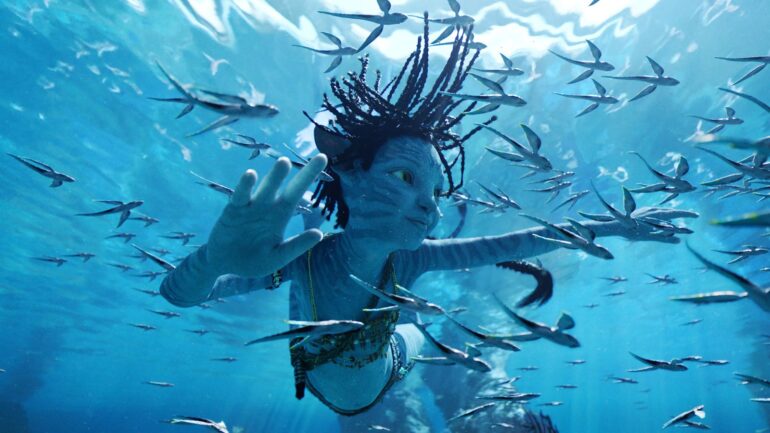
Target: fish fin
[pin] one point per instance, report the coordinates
(669, 198)
(385, 6)
(629, 204)
(233, 99)
(563, 244)
(587, 73)
(509, 156)
(528, 174)
(299, 343)
(646, 91)
(583, 231)
(187, 108)
(596, 217)
(445, 34)
(649, 188)
(656, 67)
(682, 167)
(747, 96)
(741, 281)
(490, 84)
(595, 51)
(174, 82)
(218, 123)
(56, 183)
(715, 129)
(286, 334)
(524, 336)
(485, 109)
(472, 351)
(185, 100)
(372, 36)
(336, 62)
(750, 74)
(588, 109)
(730, 178)
(599, 88)
(565, 322)
(381, 309)
(334, 40)
(534, 139)
(506, 61)
(123, 217)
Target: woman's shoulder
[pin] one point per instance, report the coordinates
(408, 266)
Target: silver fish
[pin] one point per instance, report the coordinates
(57, 178)
(123, 208)
(697, 411)
(659, 79)
(591, 65)
(219, 427)
(555, 334)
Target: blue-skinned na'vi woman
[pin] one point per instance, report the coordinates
(393, 154)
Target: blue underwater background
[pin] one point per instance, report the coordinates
(76, 77)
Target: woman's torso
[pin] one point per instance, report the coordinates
(355, 378)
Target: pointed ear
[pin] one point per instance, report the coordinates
(330, 143)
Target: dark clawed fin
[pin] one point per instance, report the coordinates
(544, 289)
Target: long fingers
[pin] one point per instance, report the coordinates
(269, 186)
(296, 245)
(242, 193)
(302, 180)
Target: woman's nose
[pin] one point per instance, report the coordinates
(427, 204)
(432, 211)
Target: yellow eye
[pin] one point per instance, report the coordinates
(404, 175)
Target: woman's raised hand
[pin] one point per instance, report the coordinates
(248, 238)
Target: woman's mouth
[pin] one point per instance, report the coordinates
(418, 222)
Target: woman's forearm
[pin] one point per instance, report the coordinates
(445, 254)
(192, 282)
(196, 280)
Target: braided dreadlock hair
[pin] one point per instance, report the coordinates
(366, 117)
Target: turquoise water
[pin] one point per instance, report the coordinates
(76, 80)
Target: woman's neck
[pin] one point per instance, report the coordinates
(361, 256)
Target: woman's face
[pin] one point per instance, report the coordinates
(395, 202)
